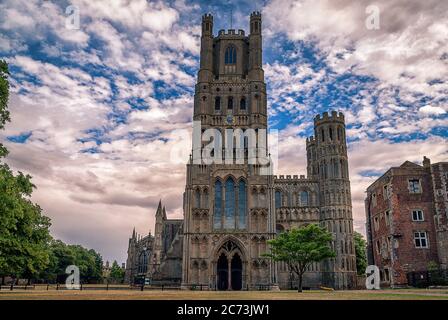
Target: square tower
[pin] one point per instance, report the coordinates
(227, 206)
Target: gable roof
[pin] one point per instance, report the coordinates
(409, 164)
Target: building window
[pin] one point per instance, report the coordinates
(387, 217)
(230, 103)
(242, 204)
(143, 262)
(278, 199)
(374, 199)
(243, 104)
(386, 275)
(421, 239)
(304, 198)
(218, 206)
(230, 55)
(197, 197)
(414, 186)
(376, 223)
(378, 248)
(230, 204)
(417, 215)
(279, 228)
(386, 191)
(217, 103)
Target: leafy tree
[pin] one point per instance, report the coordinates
(116, 273)
(361, 253)
(89, 262)
(62, 255)
(298, 248)
(24, 231)
(4, 93)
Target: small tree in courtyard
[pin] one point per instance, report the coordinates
(116, 273)
(299, 248)
(361, 253)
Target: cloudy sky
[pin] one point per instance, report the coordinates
(97, 111)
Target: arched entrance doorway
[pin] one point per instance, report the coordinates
(237, 272)
(229, 267)
(223, 272)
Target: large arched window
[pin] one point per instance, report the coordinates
(229, 204)
(278, 199)
(230, 55)
(242, 204)
(218, 206)
(304, 198)
(143, 262)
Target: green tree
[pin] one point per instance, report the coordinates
(116, 273)
(4, 96)
(298, 248)
(24, 231)
(361, 253)
(62, 255)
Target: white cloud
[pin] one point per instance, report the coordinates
(428, 109)
(411, 40)
(144, 52)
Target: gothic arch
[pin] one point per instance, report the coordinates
(237, 242)
(229, 264)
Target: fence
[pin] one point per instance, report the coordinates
(107, 287)
(424, 279)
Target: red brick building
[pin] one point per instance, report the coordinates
(407, 220)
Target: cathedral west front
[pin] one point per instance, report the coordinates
(232, 203)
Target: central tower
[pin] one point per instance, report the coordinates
(227, 202)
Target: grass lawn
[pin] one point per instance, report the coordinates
(397, 294)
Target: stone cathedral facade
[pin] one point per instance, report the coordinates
(231, 208)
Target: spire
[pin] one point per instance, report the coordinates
(164, 213)
(159, 208)
(133, 233)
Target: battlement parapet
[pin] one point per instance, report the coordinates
(333, 117)
(231, 32)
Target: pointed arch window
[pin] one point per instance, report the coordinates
(278, 199)
(230, 207)
(229, 204)
(197, 198)
(217, 103)
(242, 204)
(217, 217)
(243, 103)
(304, 198)
(230, 103)
(230, 55)
(143, 262)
